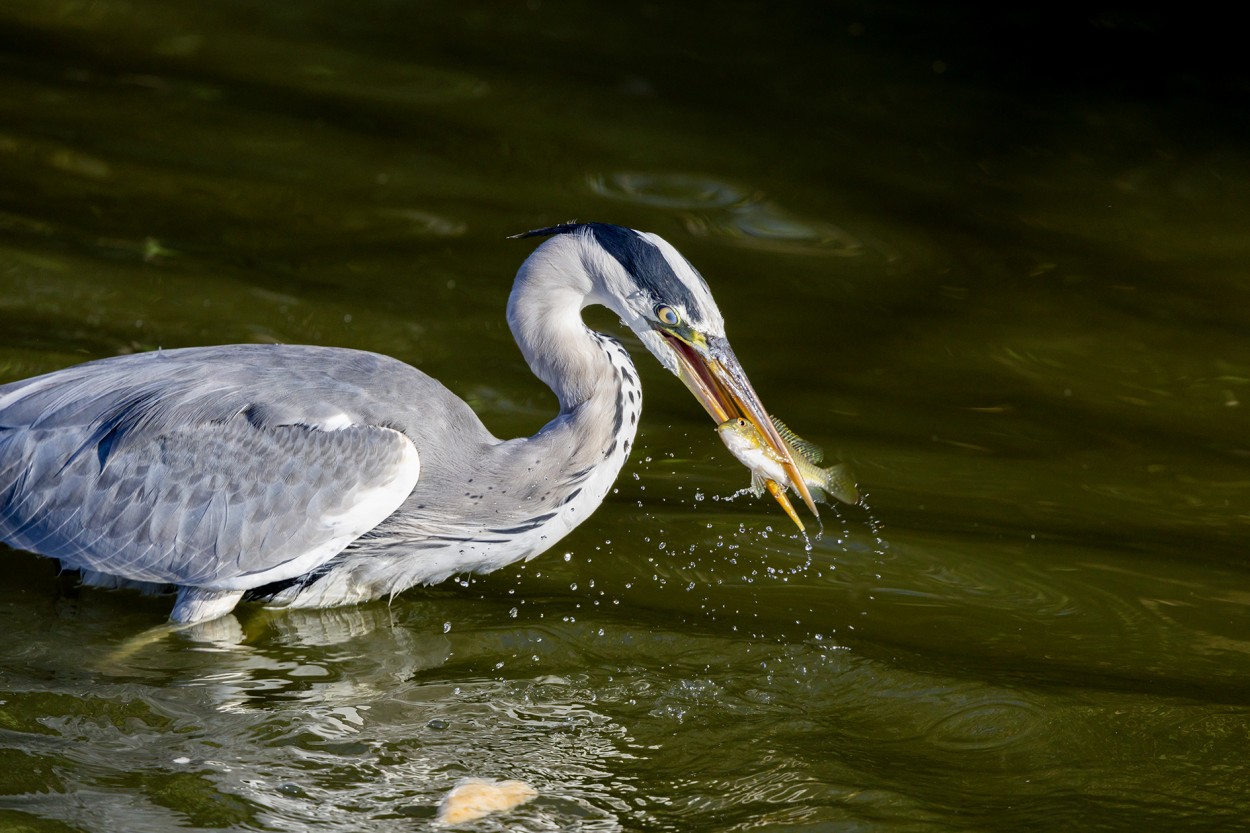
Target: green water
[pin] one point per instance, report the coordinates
(999, 265)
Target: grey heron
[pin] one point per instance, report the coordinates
(314, 476)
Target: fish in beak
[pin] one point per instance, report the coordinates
(712, 372)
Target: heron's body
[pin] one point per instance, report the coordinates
(313, 476)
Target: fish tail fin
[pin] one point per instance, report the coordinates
(839, 482)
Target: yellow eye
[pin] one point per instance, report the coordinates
(667, 315)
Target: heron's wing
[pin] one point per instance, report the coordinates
(221, 504)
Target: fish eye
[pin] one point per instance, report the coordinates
(667, 315)
(742, 423)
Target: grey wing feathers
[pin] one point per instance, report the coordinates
(171, 472)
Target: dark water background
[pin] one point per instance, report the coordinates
(997, 261)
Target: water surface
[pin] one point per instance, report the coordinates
(997, 264)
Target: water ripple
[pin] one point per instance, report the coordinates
(683, 191)
(764, 225)
(715, 208)
(985, 725)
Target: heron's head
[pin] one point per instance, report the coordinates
(661, 297)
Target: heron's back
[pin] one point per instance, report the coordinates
(219, 467)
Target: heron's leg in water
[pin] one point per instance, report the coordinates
(198, 604)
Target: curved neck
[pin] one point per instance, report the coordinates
(545, 316)
(591, 375)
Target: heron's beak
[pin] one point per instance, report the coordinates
(712, 372)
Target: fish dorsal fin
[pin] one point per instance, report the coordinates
(811, 451)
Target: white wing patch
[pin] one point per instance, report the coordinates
(335, 422)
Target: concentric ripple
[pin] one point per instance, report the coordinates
(683, 191)
(715, 208)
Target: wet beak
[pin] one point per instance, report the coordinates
(713, 374)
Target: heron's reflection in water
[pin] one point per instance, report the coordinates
(347, 654)
(377, 708)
